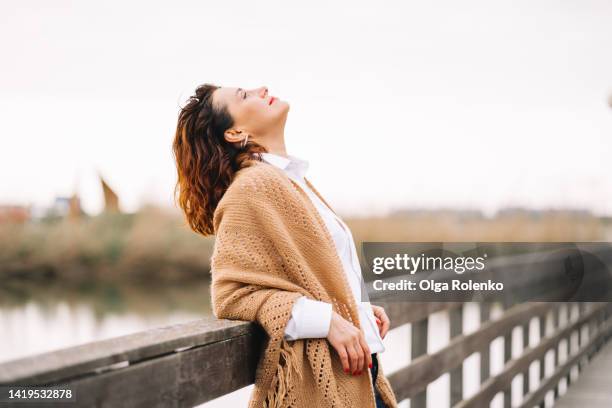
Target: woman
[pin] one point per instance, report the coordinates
(282, 257)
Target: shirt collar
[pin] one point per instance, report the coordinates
(291, 164)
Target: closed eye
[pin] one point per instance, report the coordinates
(244, 95)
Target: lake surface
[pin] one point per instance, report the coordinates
(39, 319)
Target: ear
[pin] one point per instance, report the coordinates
(233, 135)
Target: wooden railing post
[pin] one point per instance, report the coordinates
(581, 340)
(600, 323)
(526, 345)
(419, 347)
(542, 321)
(592, 332)
(485, 353)
(556, 325)
(456, 375)
(568, 313)
(507, 357)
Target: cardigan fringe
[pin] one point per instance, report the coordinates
(284, 376)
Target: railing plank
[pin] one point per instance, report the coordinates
(184, 379)
(89, 358)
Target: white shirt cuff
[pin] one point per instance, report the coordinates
(309, 319)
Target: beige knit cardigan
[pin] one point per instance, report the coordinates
(271, 248)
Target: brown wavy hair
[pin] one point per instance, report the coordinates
(206, 163)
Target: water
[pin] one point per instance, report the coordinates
(54, 319)
(40, 319)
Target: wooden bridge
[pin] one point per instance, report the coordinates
(189, 364)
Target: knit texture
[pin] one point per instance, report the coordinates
(272, 247)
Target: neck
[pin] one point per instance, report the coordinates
(275, 143)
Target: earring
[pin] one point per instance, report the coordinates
(244, 141)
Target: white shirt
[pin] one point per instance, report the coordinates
(312, 318)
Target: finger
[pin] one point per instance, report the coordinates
(386, 324)
(353, 358)
(360, 356)
(384, 330)
(384, 318)
(344, 358)
(375, 310)
(367, 352)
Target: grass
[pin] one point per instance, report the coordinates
(156, 246)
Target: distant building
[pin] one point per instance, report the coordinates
(14, 213)
(66, 207)
(60, 207)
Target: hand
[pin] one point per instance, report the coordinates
(349, 342)
(382, 320)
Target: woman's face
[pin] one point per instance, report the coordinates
(254, 111)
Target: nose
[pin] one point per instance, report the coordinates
(263, 91)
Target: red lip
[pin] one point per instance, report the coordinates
(271, 100)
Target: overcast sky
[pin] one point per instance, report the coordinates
(471, 104)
